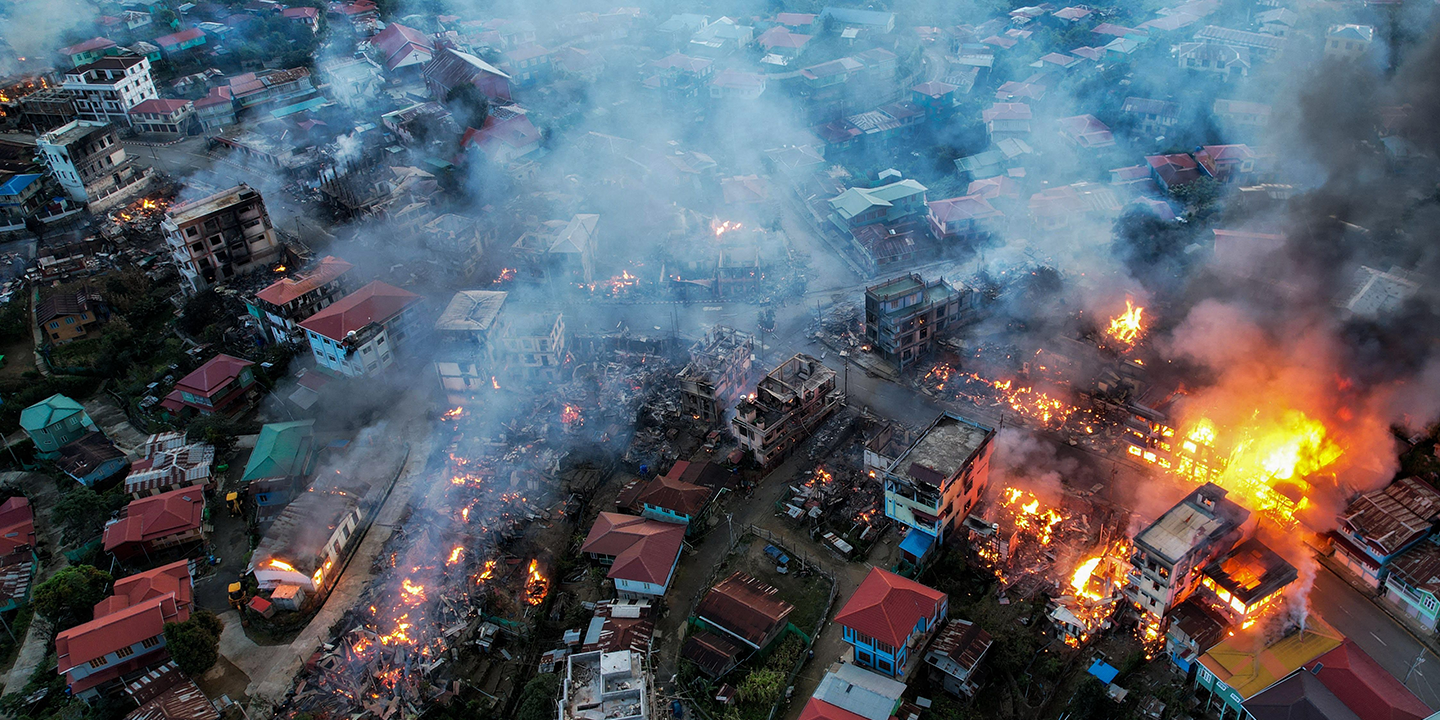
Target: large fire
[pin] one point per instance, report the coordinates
(1267, 465)
(282, 565)
(1126, 328)
(536, 585)
(1035, 405)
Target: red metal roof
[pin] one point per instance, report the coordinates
(217, 95)
(17, 525)
(159, 106)
(309, 13)
(887, 607)
(1365, 687)
(180, 37)
(214, 375)
(675, 495)
(397, 41)
(157, 516)
(817, 709)
(965, 207)
(102, 636)
(744, 607)
(285, 290)
(644, 550)
(172, 579)
(374, 303)
(517, 132)
(97, 43)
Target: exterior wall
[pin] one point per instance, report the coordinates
(655, 512)
(152, 646)
(233, 240)
(1421, 605)
(1369, 570)
(892, 661)
(50, 438)
(65, 328)
(107, 96)
(372, 357)
(1222, 698)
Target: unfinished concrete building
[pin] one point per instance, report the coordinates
(718, 374)
(608, 685)
(788, 405)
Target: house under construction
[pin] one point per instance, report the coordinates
(788, 405)
(718, 374)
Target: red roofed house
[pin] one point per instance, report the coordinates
(673, 500)
(452, 68)
(307, 16)
(1365, 687)
(361, 333)
(1227, 162)
(1086, 132)
(217, 109)
(1007, 120)
(157, 522)
(963, 218)
(177, 43)
(935, 96)
(128, 632)
(224, 385)
(163, 115)
(1172, 171)
(781, 41)
(89, 51)
(642, 553)
(17, 552)
(284, 303)
(403, 47)
(888, 620)
(745, 609)
(503, 141)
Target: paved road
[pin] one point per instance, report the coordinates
(1356, 615)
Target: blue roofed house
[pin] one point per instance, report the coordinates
(849, 693)
(25, 195)
(888, 620)
(284, 456)
(1380, 525)
(54, 422)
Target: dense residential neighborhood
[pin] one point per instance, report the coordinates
(436, 359)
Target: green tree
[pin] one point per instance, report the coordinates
(217, 430)
(1199, 195)
(195, 643)
(537, 699)
(80, 513)
(69, 596)
(761, 687)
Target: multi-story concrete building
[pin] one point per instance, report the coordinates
(788, 405)
(106, 90)
(87, 160)
(221, 236)
(362, 333)
(1170, 554)
(932, 486)
(466, 340)
(281, 305)
(718, 374)
(532, 343)
(612, 685)
(904, 315)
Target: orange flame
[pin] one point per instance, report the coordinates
(571, 416)
(1125, 328)
(720, 228)
(456, 554)
(412, 593)
(536, 586)
(281, 565)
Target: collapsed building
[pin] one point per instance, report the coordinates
(482, 340)
(717, 375)
(605, 686)
(786, 407)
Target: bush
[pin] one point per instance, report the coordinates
(195, 643)
(761, 687)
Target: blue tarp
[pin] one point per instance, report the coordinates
(1103, 671)
(917, 543)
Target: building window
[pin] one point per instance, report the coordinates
(99, 662)
(150, 642)
(125, 652)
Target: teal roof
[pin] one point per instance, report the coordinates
(280, 451)
(855, 201)
(288, 110)
(49, 411)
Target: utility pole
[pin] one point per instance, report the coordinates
(1419, 660)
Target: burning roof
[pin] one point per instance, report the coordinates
(1249, 661)
(1251, 572)
(286, 290)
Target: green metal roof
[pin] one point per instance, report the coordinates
(49, 411)
(281, 450)
(855, 201)
(897, 190)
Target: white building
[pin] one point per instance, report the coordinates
(106, 90)
(88, 161)
(362, 333)
(605, 686)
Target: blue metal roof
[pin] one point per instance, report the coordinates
(1103, 671)
(917, 543)
(17, 183)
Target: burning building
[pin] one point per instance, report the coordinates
(932, 486)
(1170, 554)
(718, 373)
(220, 236)
(281, 305)
(88, 161)
(786, 407)
(904, 315)
(1246, 663)
(605, 686)
(1246, 582)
